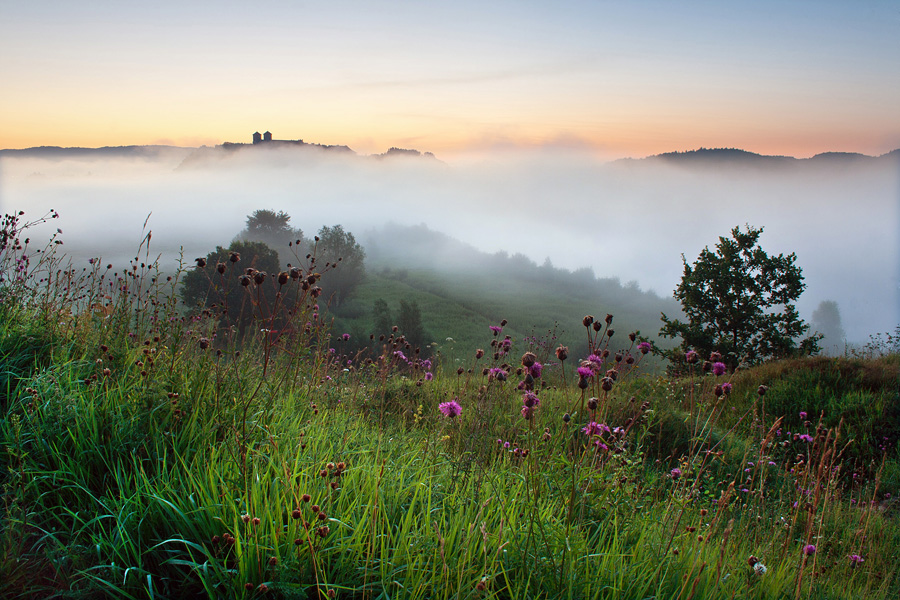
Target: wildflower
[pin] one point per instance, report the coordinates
(855, 559)
(450, 409)
(644, 347)
(809, 550)
(535, 370)
(675, 473)
(531, 400)
(593, 428)
(345, 336)
(497, 373)
(691, 357)
(718, 368)
(527, 412)
(759, 569)
(726, 388)
(585, 372)
(495, 329)
(562, 353)
(803, 415)
(429, 376)
(528, 359)
(594, 362)
(806, 438)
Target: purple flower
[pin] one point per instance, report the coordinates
(809, 550)
(718, 369)
(675, 473)
(497, 373)
(496, 329)
(345, 336)
(803, 415)
(426, 364)
(691, 357)
(585, 372)
(527, 412)
(806, 438)
(593, 428)
(450, 409)
(595, 361)
(644, 347)
(855, 559)
(726, 388)
(429, 376)
(536, 370)
(531, 400)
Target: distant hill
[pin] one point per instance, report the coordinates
(461, 290)
(735, 157)
(60, 153)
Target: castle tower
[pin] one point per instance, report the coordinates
(267, 137)
(257, 138)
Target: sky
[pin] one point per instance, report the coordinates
(613, 78)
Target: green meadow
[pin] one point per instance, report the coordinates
(150, 450)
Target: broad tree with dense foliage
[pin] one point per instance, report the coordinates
(739, 301)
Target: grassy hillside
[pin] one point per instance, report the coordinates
(146, 454)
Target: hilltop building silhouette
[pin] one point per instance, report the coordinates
(267, 138)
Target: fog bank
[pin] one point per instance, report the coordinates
(628, 219)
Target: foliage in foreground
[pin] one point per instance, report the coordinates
(149, 454)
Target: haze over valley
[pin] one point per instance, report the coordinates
(626, 219)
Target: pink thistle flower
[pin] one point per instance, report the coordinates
(450, 409)
(718, 369)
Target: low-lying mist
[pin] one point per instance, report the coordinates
(627, 219)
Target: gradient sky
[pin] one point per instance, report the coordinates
(620, 78)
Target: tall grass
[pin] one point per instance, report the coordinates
(150, 452)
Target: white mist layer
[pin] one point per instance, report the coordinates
(630, 220)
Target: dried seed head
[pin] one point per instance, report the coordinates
(592, 403)
(609, 319)
(201, 262)
(245, 280)
(528, 359)
(283, 277)
(606, 384)
(562, 353)
(259, 277)
(587, 320)
(234, 257)
(479, 353)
